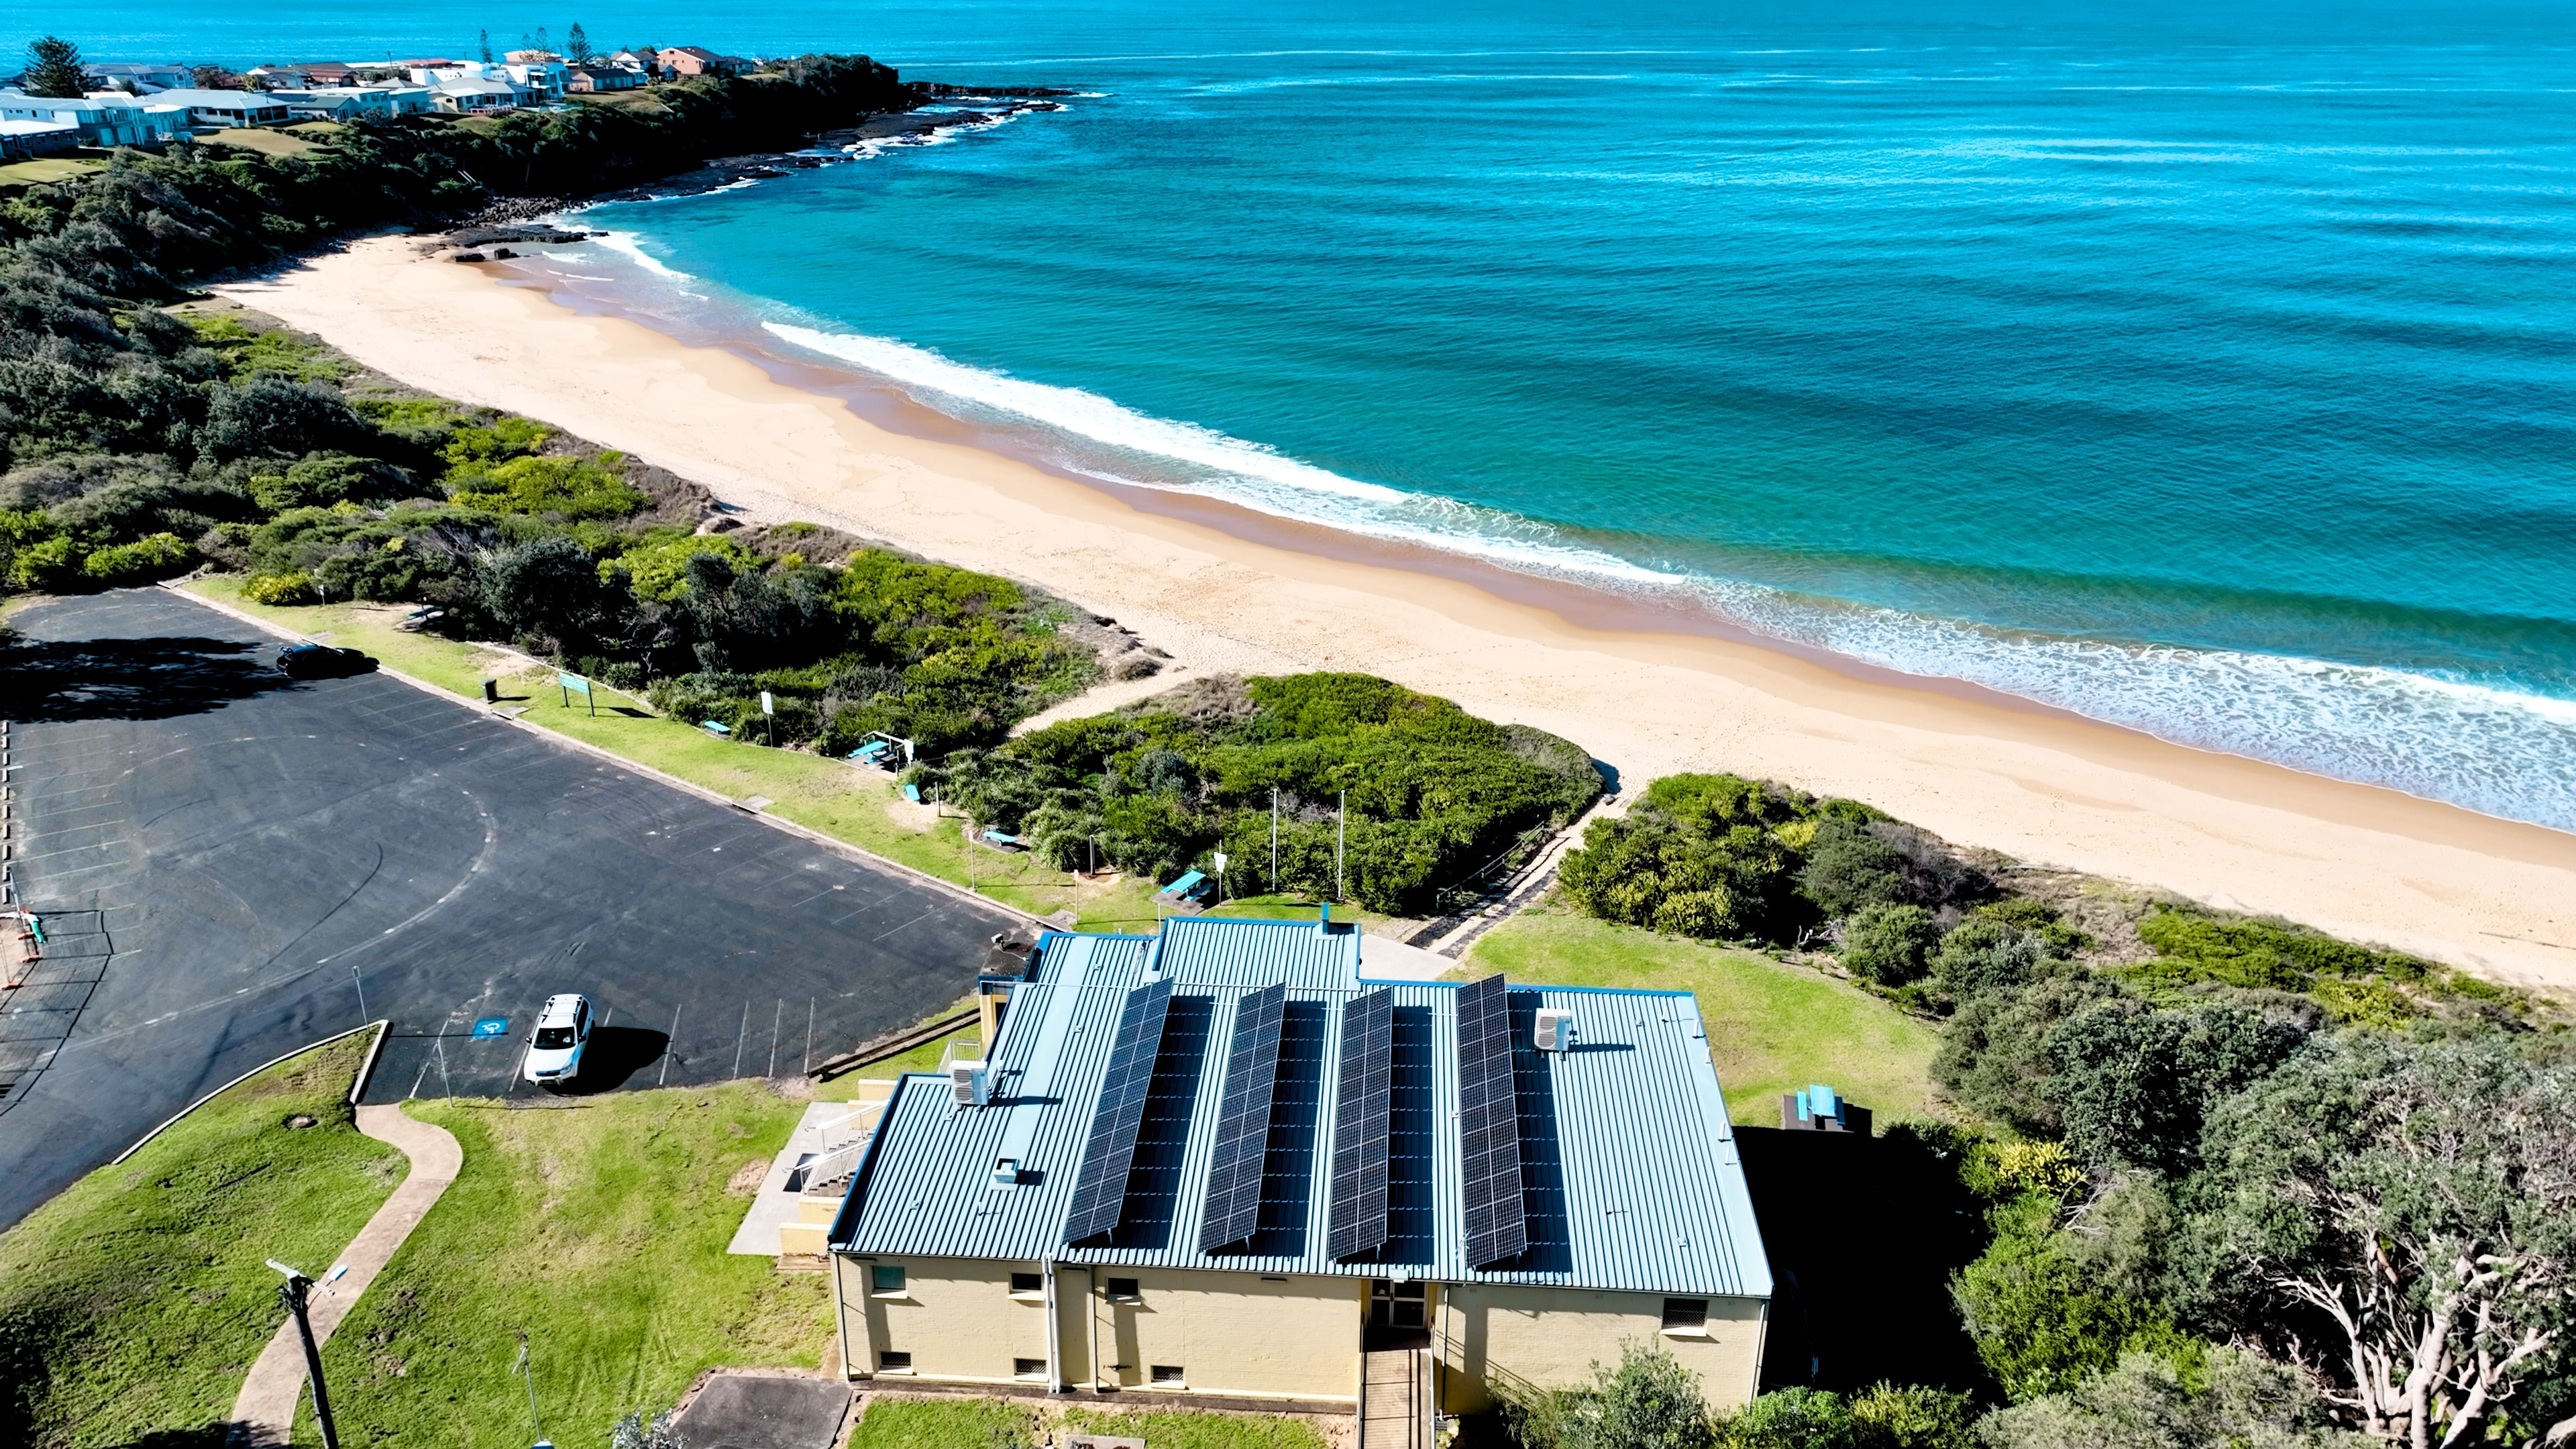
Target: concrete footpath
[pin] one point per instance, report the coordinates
(264, 1414)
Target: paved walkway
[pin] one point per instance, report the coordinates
(265, 1411)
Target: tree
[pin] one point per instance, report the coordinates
(483, 46)
(215, 78)
(577, 43)
(2401, 1217)
(54, 68)
(2235, 1400)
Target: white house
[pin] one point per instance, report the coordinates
(544, 75)
(22, 139)
(136, 79)
(227, 108)
(476, 97)
(110, 118)
(335, 103)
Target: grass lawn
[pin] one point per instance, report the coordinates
(43, 169)
(944, 1423)
(134, 1303)
(597, 1227)
(260, 138)
(1772, 1027)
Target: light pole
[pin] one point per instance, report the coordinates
(297, 1290)
(362, 991)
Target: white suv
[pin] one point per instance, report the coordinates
(563, 1029)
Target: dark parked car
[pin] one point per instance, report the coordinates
(321, 661)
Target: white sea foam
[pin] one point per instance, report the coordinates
(624, 244)
(2497, 750)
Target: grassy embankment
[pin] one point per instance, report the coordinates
(132, 1305)
(1773, 1027)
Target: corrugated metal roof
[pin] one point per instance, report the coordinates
(1633, 1177)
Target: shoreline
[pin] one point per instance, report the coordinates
(1648, 691)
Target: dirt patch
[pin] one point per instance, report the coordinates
(745, 1181)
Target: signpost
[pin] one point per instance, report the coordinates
(769, 712)
(1220, 877)
(571, 684)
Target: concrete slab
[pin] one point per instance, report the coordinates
(764, 1411)
(825, 1127)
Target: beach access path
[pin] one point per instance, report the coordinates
(1646, 690)
(264, 1412)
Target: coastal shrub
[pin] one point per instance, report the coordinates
(1648, 1400)
(48, 565)
(2225, 1396)
(270, 416)
(155, 557)
(1890, 944)
(1435, 795)
(568, 488)
(286, 588)
(658, 572)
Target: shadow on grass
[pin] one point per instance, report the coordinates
(162, 678)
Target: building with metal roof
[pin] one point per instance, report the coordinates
(1222, 1161)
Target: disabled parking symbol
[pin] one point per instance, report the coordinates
(491, 1026)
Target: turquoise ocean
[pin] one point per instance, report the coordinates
(2211, 372)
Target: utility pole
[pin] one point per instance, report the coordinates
(297, 1290)
(1341, 833)
(1274, 840)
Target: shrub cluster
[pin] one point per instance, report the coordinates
(1721, 857)
(1435, 795)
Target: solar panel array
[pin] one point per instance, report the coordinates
(1489, 1130)
(1358, 1223)
(1101, 1190)
(1243, 1122)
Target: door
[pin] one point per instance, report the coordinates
(1398, 1315)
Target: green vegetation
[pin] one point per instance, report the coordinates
(1649, 1401)
(1437, 796)
(599, 1228)
(133, 1304)
(1773, 1027)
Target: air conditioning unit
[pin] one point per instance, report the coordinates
(969, 1084)
(1555, 1030)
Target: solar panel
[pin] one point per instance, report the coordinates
(1489, 1128)
(1243, 1122)
(1360, 1113)
(1101, 1190)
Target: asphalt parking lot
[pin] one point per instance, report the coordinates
(230, 862)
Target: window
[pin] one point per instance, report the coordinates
(553, 1038)
(1028, 1368)
(1685, 1315)
(1027, 1283)
(1123, 1290)
(886, 1279)
(889, 1361)
(1170, 1373)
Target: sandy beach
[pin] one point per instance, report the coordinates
(1222, 593)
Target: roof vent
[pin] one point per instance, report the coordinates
(970, 1083)
(1555, 1030)
(1006, 1173)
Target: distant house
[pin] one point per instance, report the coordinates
(20, 140)
(335, 103)
(278, 77)
(542, 73)
(692, 60)
(409, 100)
(110, 118)
(431, 72)
(331, 73)
(590, 79)
(476, 97)
(629, 60)
(227, 108)
(117, 75)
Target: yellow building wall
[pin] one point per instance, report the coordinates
(1550, 1337)
(1230, 1333)
(957, 1317)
